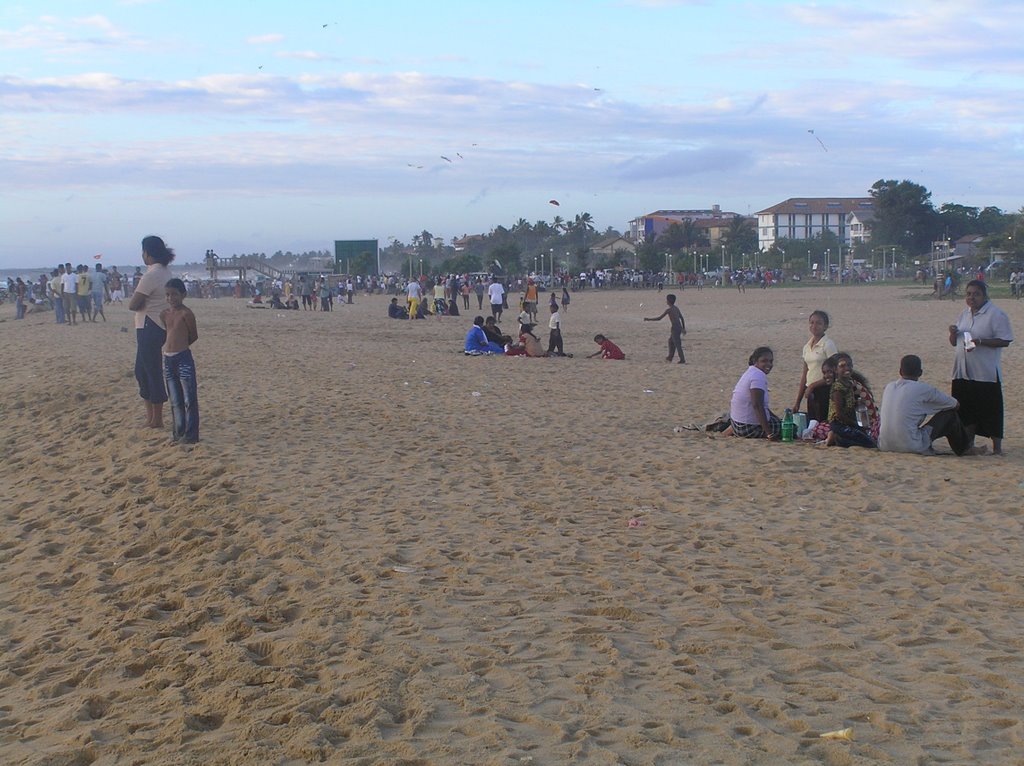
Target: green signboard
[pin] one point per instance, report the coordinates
(355, 256)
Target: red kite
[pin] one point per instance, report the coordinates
(553, 202)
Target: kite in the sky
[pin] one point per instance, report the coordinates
(819, 140)
(445, 158)
(459, 156)
(97, 257)
(553, 202)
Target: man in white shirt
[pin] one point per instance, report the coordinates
(68, 292)
(496, 293)
(907, 403)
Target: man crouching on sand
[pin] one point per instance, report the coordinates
(907, 403)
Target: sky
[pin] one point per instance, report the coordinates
(259, 125)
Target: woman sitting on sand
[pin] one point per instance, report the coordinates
(749, 415)
(818, 393)
(494, 334)
(849, 395)
(529, 344)
(477, 343)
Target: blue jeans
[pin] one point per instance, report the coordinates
(180, 377)
(58, 309)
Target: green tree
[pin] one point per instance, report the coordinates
(682, 236)
(904, 216)
(958, 220)
(992, 220)
(739, 237)
(508, 256)
(463, 263)
(649, 256)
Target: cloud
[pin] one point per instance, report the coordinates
(684, 163)
(57, 36)
(305, 56)
(941, 34)
(264, 39)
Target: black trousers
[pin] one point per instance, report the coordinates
(555, 343)
(948, 424)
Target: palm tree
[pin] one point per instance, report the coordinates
(558, 223)
(581, 224)
(740, 236)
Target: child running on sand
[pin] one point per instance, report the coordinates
(179, 366)
(675, 338)
(608, 349)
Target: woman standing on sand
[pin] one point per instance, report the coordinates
(148, 301)
(816, 351)
(980, 334)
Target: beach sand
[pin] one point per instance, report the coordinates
(385, 552)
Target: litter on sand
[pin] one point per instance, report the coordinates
(838, 734)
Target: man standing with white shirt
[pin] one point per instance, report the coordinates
(496, 293)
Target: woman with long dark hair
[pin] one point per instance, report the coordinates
(148, 300)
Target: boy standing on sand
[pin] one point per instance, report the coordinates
(675, 338)
(179, 366)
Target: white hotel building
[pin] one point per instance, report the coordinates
(808, 217)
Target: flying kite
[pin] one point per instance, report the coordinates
(445, 158)
(819, 140)
(553, 202)
(98, 256)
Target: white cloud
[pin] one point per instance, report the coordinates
(937, 35)
(264, 39)
(58, 36)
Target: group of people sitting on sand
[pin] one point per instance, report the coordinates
(275, 302)
(423, 309)
(485, 337)
(841, 409)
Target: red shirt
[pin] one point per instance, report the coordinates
(610, 350)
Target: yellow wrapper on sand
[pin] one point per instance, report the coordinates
(837, 734)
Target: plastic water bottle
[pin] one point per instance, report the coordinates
(863, 417)
(787, 426)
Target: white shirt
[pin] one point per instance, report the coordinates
(906, 404)
(741, 408)
(70, 282)
(553, 322)
(496, 292)
(983, 363)
(413, 290)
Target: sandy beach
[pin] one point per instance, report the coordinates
(385, 552)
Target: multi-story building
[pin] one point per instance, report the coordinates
(654, 224)
(808, 217)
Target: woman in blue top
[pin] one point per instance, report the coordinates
(476, 340)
